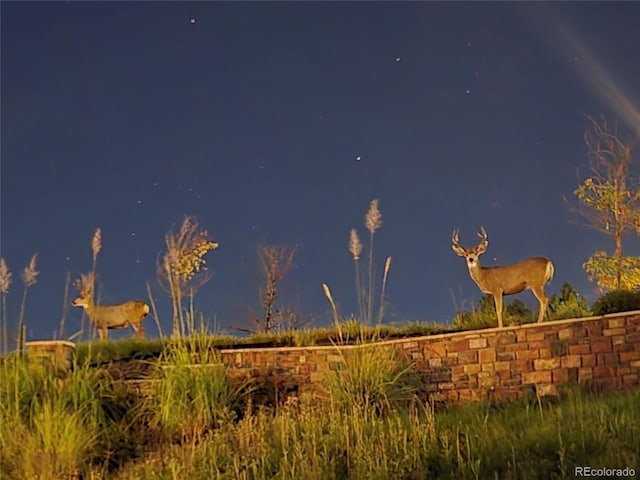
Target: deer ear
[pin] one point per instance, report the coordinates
(458, 250)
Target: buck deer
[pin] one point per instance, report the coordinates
(107, 317)
(533, 273)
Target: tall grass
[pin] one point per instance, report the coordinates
(29, 277)
(196, 423)
(49, 424)
(373, 222)
(5, 283)
(312, 440)
(98, 353)
(348, 331)
(302, 440)
(192, 394)
(355, 248)
(96, 246)
(55, 443)
(65, 305)
(364, 294)
(372, 378)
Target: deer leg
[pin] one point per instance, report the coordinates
(138, 329)
(102, 333)
(497, 298)
(543, 299)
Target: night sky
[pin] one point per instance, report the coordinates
(278, 123)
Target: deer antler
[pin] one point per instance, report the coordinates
(484, 242)
(85, 283)
(455, 243)
(479, 249)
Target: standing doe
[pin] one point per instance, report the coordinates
(533, 273)
(107, 317)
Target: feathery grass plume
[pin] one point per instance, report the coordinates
(373, 221)
(385, 275)
(29, 277)
(336, 317)
(5, 283)
(355, 247)
(5, 277)
(30, 273)
(96, 244)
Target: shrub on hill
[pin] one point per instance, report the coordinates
(616, 301)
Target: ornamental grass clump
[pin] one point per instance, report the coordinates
(50, 425)
(372, 377)
(191, 394)
(365, 293)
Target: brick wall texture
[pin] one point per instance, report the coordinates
(602, 353)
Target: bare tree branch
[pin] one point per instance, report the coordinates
(275, 262)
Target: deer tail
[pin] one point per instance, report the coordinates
(549, 272)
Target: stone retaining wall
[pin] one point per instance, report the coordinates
(600, 352)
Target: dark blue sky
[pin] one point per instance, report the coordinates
(251, 116)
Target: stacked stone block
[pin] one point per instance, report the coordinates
(600, 352)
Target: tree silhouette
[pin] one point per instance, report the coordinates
(609, 200)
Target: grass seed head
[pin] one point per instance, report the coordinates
(5, 277)
(96, 242)
(327, 292)
(30, 274)
(387, 267)
(373, 219)
(355, 246)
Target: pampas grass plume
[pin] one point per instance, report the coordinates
(5, 277)
(30, 273)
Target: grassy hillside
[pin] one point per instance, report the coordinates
(195, 423)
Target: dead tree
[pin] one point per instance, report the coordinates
(275, 263)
